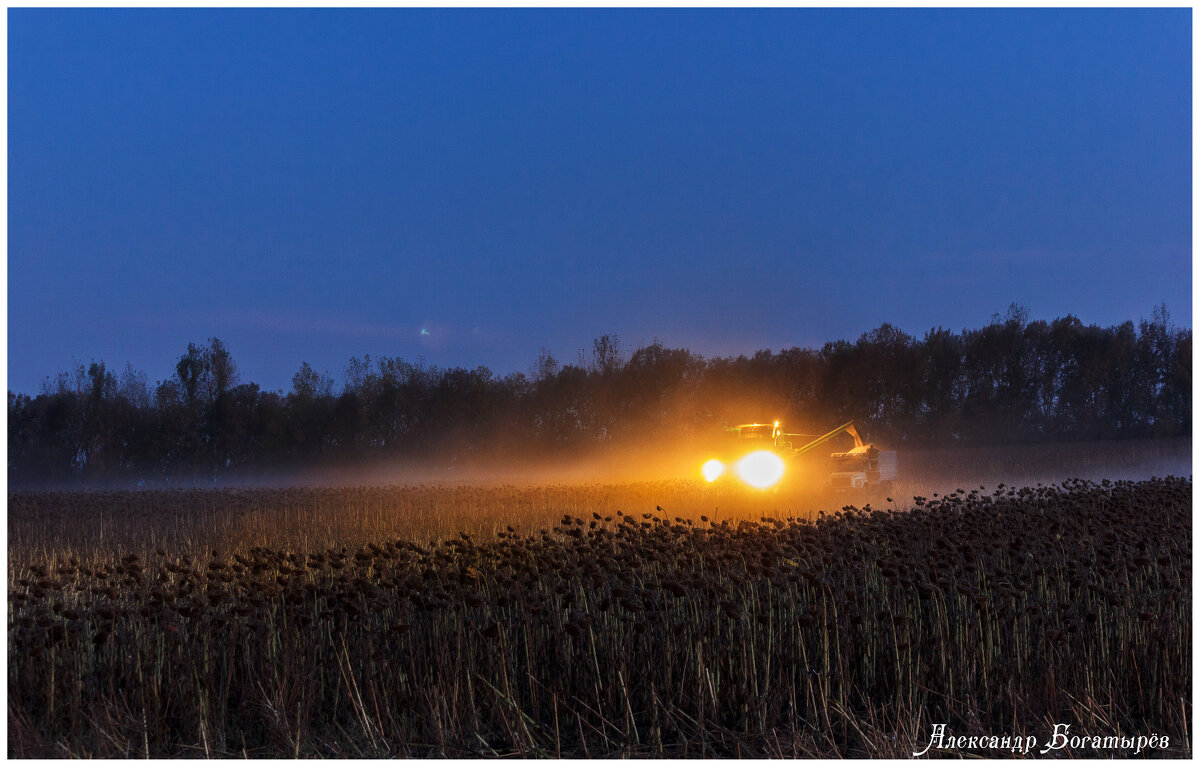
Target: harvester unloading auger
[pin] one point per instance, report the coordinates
(863, 466)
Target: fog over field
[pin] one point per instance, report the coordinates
(431, 501)
(928, 469)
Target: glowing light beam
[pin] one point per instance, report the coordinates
(712, 469)
(760, 469)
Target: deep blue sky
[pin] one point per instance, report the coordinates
(312, 185)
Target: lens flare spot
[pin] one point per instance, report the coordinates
(712, 469)
(760, 469)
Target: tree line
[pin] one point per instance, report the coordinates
(1012, 381)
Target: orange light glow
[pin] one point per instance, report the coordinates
(712, 469)
(760, 469)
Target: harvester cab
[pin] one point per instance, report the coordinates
(765, 451)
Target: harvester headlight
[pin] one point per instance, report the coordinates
(712, 469)
(761, 469)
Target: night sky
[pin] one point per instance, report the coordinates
(468, 187)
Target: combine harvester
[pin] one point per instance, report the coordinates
(864, 466)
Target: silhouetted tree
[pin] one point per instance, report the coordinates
(1013, 380)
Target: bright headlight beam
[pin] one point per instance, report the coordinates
(760, 469)
(712, 469)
